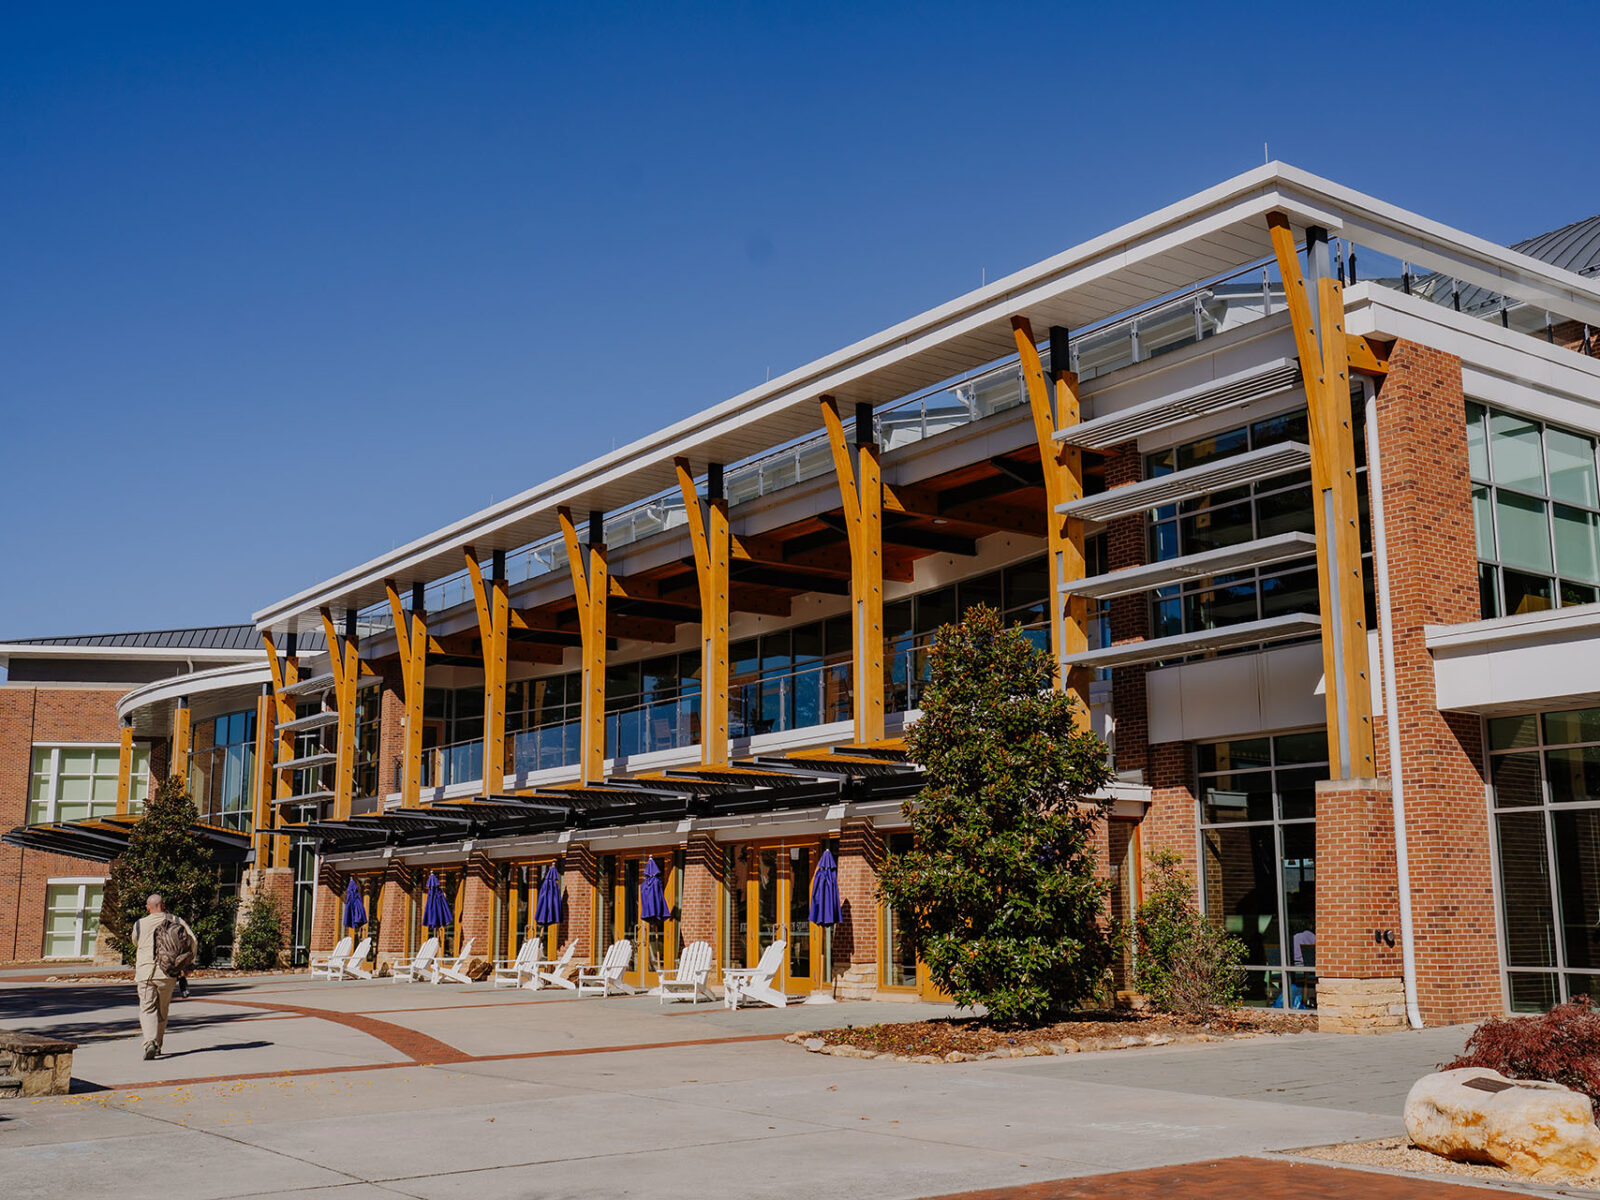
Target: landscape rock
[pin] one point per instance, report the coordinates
(1536, 1129)
(955, 1056)
(814, 1044)
(926, 1058)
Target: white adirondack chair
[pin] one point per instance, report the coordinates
(521, 971)
(607, 977)
(451, 972)
(561, 971)
(332, 965)
(689, 978)
(419, 964)
(355, 967)
(758, 982)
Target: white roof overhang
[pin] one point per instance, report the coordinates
(1210, 234)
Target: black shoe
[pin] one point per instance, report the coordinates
(183, 987)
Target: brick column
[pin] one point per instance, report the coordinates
(579, 873)
(391, 727)
(276, 883)
(392, 920)
(1427, 504)
(855, 937)
(1359, 983)
(699, 892)
(477, 905)
(327, 921)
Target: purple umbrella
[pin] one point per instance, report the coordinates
(436, 909)
(825, 892)
(355, 912)
(547, 909)
(652, 899)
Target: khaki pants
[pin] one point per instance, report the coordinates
(155, 996)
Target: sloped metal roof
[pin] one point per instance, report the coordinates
(205, 637)
(1574, 247)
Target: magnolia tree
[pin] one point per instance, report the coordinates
(999, 894)
(165, 855)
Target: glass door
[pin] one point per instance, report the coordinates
(655, 943)
(767, 896)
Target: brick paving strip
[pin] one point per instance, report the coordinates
(420, 1049)
(1233, 1178)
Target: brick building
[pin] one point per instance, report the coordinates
(1299, 488)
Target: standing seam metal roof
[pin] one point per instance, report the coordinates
(1574, 247)
(206, 637)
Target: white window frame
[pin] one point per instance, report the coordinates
(53, 800)
(82, 883)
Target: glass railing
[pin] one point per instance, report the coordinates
(458, 762)
(1204, 310)
(798, 697)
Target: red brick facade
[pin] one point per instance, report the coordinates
(29, 715)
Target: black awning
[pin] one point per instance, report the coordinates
(101, 839)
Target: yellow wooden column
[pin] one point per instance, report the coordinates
(124, 768)
(494, 620)
(1063, 483)
(182, 739)
(261, 810)
(411, 639)
(285, 673)
(344, 660)
(590, 586)
(861, 493)
(1324, 366)
(708, 533)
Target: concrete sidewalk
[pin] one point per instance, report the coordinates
(537, 1100)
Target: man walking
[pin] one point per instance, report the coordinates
(166, 952)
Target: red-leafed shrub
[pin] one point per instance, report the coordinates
(1563, 1046)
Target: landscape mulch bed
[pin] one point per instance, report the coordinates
(973, 1036)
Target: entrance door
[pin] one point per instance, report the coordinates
(900, 968)
(768, 896)
(655, 943)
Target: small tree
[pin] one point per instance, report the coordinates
(1183, 962)
(998, 894)
(258, 945)
(164, 855)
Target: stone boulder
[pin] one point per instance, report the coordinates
(1473, 1114)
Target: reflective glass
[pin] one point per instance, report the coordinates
(1477, 442)
(1525, 890)
(1516, 454)
(1574, 725)
(1577, 543)
(1574, 774)
(1242, 889)
(1516, 780)
(1524, 531)
(1571, 462)
(1483, 522)
(1577, 847)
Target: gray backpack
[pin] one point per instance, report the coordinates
(175, 947)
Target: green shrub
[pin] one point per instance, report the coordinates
(1183, 962)
(999, 894)
(259, 944)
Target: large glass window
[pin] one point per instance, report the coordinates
(1544, 770)
(1235, 515)
(71, 917)
(222, 778)
(1535, 511)
(72, 783)
(139, 777)
(1258, 829)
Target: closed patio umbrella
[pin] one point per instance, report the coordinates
(825, 892)
(825, 911)
(355, 912)
(652, 899)
(436, 909)
(547, 908)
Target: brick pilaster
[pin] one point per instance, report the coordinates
(1427, 500)
(327, 923)
(697, 905)
(855, 937)
(580, 872)
(477, 905)
(394, 916)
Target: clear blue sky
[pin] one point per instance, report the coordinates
(283, 289)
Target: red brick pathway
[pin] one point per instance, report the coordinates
(1237, 1178)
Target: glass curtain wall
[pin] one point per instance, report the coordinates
(1259, 863)
(222, 779)
(1545, 775)
(1536, 513)
(1242, 514)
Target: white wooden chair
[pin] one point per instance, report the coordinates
(331, 966)
(756, 983)
(355, 967)
(419, 964)
(521, 971)
(607, 977)
(689, 977)
(561, 971)
(452, 972)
